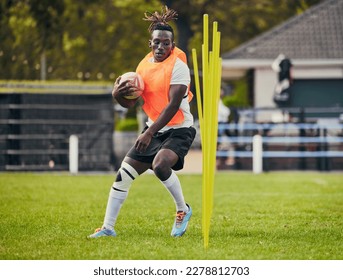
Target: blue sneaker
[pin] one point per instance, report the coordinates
(181, 222)
(100, 232)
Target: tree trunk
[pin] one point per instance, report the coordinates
(43, 66)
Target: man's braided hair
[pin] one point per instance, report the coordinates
(160, 21)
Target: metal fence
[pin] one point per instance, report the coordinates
(35, 131)
(297, 146)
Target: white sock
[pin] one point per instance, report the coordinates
(118, 193)
(115, 201)
(174, 187)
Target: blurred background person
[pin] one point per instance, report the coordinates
(223, 119)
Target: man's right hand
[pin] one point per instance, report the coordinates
(120, 90)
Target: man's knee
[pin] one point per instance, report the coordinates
(162, 167)
(126, 174)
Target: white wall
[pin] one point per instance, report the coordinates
(266, 79)
(264, 84)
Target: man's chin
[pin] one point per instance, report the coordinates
(159, 57)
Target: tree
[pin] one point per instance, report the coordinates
(48, 17)
(100, 39)
(238, 20)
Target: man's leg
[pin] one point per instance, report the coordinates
(162, 164)
(118, 194)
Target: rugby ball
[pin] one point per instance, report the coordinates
(136, 80)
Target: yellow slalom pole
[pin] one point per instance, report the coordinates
(205, 53)
(197, 90)
(205, 125)
(215, 82)
(208, 117)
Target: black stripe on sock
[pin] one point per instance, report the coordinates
(128, 173)
(118, 179)
(118, 189)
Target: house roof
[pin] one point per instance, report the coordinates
(316, 34)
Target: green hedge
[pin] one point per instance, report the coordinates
(128, 124)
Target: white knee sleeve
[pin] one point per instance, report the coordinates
(125, 176)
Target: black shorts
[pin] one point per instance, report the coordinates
(179, 140)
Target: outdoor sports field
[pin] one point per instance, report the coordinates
(277, 216)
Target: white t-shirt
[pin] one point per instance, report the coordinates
(180, 76)
(223, 112)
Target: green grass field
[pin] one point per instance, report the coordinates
(274, 216)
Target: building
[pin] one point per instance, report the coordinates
(313, 41)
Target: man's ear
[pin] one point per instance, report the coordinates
(173, 45)
(149, 43)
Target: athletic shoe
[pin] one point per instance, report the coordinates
(181, 222)
(100, 232)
